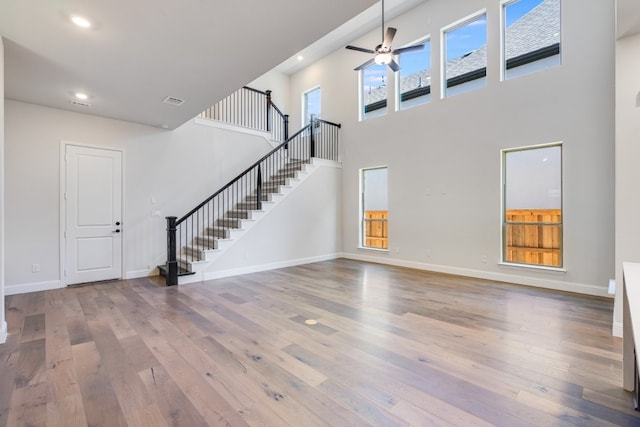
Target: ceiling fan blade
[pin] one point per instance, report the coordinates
(388, 37)
(365, 65)
(408, 49)
(360, 49)
(394, 66)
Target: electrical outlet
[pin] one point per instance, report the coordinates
(35, 268)
(483, 259)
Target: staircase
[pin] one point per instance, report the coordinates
(198, 238)
(219, 236)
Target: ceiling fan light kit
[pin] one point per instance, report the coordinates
(383, 58)
(383, 52)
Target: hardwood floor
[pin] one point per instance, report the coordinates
(391, 347)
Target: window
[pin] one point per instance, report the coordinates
(414, 77)
(373, 91)
(465, 47)
(374, 208)
(532, 206)
(311, 105)
(531, 36)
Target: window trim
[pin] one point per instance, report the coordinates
(503, 171)
(443, 49)
(526, 58)
(361, 223)
(304, 103)
(363, 109)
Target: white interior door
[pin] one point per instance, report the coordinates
(93, 210)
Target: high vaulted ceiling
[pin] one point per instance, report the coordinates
(628, 15)
(141, 51)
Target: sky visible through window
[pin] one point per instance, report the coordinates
(375, 76)
(312, 99)
(460, 41)
(514, 11)
(467, 38)
(412, 62)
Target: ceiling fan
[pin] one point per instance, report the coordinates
(383, 52)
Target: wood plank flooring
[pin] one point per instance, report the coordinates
(391, 347)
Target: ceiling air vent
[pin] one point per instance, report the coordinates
(80, 104)
(173, 101)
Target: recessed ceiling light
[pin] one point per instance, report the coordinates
(80, 95)
(81, 21)
(300, 58)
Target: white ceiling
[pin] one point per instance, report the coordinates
(628, 16)
(141, 51)
(357, 26)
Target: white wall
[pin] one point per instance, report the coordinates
(278, 84)
(627, 244)
(444, 157)
(176, 168)
(3, 323)
(303, 227)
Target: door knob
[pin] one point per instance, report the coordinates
(117, 222)
(116, 230)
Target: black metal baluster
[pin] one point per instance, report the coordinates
(259, 189)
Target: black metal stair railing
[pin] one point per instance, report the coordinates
(253, 109)
(216, 217)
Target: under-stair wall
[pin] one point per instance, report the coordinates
(300, 226)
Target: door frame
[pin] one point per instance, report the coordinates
(63, 205)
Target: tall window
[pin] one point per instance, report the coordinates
(414, 77)
(311, 104)
(374, 208)
(531, 36)
(465, 51)
(532, 206)
(373, 91)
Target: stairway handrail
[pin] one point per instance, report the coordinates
(253, 166)
(319, 139)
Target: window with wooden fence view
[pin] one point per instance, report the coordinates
(532, 207)
(374, 210)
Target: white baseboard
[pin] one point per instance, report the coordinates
(57, 284)
(137, 274)
(616, 329)
(32, 287)
(210, 275)
(557, 285)
(3, 332)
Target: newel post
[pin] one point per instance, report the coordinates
(312, 142)
(172, 259)
(268, 92)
